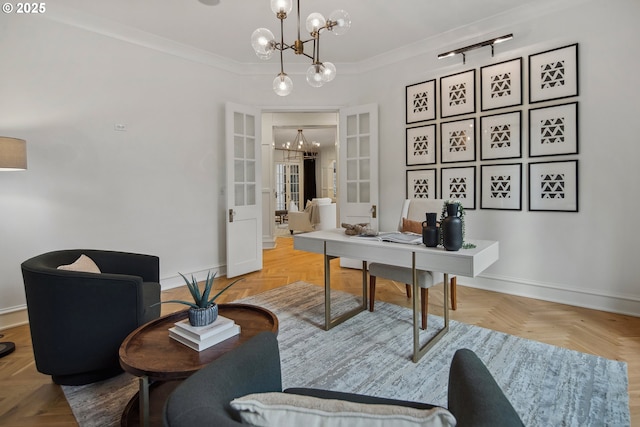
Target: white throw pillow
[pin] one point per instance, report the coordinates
(285, 409)
(83, 264)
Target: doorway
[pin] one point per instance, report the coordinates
(287, 171)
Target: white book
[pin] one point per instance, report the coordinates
(204, 332)
(395, 237)
(179, 336)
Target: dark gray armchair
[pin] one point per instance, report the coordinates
(203, 399)
(78, 320)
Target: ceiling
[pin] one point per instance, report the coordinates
(224, 30)
(323, 135)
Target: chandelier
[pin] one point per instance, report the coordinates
(265, 44)
(300, 148)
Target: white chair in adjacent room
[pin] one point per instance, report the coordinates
(319, 214)
(412, 215)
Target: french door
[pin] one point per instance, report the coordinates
(243, 189)
(288, 184)
(358, 165)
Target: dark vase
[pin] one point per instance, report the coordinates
(430, 232)
(452, 228)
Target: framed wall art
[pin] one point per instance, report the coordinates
(553, 130)
(459, 183)
(458, 141)
(501, 186)
(421, 145)
(553, 186)
(501, 136)
(553, 74)
(421, 102)
(421, 184)
(501, 85)
(458, 94)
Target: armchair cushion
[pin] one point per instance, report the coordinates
(279, 409)
(83, 264)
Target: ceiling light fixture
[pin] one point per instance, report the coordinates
(319, 73)
(300, 148)
(462, 50)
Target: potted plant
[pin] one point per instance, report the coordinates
(203, 310)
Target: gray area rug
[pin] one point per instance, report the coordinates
(371, 354)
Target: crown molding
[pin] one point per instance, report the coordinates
(111, 29)
(448, 40)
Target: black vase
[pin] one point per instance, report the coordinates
(452, 229)
(430, 232)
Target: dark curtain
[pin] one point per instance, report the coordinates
(309, 169)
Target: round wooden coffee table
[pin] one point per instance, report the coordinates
(149, 353)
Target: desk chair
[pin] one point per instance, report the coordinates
(411, 217)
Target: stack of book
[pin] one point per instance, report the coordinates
(203, 337)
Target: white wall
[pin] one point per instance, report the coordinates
(156, 187)
(587, 258)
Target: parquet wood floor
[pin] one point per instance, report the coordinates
(28, 398)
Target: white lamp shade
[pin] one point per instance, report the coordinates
(13, 153)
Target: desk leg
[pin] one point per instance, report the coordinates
(143, 399)
(418, 351)
(328, 323)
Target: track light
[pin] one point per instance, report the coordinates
(462, 50)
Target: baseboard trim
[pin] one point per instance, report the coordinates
(268, 242)
(17, 316)
(554, 293)
(14, 316)
(200, 275)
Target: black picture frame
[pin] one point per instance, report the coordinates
(421, 102)
(553, 131)
(459, 183)
(553, 74)
(458, 94)
(553, 186)
(458, 141)
(421, 184)
(501, 186)
(421, 145)
(501, 136)
(501, 85)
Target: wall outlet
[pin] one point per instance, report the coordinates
(120, 127)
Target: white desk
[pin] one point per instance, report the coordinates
(335, 243)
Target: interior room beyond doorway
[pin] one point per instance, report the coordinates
(303, 160)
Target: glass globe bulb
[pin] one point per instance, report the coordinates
(329, 72)
(314, 75)
(263, 42)
(282, 85)
(342, 22)
(265, 56)
(281, 6)
(315, 21)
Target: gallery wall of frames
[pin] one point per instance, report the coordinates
(480, 157)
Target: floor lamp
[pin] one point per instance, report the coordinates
(13, 156)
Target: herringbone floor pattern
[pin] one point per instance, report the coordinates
(28, 398)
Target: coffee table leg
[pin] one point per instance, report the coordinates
(143, 399)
